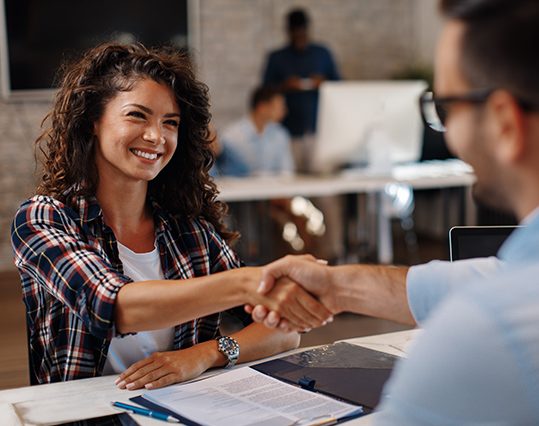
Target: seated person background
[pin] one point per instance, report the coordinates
(260, 145)
(227, 163)
(259, 139)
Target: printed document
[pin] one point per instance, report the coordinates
(246, 397)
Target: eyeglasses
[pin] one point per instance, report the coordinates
(434, 110)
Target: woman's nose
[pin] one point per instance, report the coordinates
(154, 134)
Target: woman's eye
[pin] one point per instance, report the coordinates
(137, 114)
(174, 123)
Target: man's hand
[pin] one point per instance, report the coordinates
(374, 290)
(287, 300)
(317, 80)
(292, 84)
(311, 274)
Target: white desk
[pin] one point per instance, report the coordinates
(426, 175)
(75, 400)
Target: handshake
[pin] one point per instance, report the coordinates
(298, 293)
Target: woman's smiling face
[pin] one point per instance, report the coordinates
(138, 133)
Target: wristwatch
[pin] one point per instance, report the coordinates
(229, 348)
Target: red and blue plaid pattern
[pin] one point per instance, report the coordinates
(71, 272)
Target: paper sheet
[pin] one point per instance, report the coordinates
(246, 397)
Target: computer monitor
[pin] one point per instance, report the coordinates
(467, 242)
(362, 122)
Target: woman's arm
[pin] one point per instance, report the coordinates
(153, 305)
(165, 368)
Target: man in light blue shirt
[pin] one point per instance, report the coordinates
(261, 141)
(477, 359)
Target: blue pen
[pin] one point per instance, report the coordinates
(145, 412)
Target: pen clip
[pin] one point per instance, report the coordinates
(122, 409)
(307, 383)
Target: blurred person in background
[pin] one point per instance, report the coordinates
(298, 70)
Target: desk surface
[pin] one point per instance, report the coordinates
(86, 398)
(426, 175)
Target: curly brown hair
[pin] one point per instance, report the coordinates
(184, 187)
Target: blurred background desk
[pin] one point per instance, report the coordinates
(370, 199)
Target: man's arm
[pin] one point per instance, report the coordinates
(378, 291)
(401, 294)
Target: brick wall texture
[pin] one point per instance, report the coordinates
(370, 39)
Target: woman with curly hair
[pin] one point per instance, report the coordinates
(119, 251)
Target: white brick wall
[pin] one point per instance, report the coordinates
(370, 39)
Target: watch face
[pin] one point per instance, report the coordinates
(229, 346)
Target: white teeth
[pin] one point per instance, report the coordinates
(146, 155)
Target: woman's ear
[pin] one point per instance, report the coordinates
(507, 126)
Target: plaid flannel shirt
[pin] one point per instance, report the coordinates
(71, 272)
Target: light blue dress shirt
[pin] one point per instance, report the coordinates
(268, 152)
(429, 284)
(477, 360)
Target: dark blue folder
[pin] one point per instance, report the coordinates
(341, 370)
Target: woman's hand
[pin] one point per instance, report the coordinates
(291, 307)
(166, 368)
(298, 309)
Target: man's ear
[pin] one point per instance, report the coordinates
(507, 126)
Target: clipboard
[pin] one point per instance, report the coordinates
(341, 370)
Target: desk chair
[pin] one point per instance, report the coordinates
(33, 378)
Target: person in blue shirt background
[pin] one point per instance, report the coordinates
(259, 145)
(228, 162)
(259, 138)
(298, 70)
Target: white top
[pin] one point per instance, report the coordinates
(268, 152)
(477, 360)
(125, 351)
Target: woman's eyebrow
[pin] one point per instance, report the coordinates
(150, 111)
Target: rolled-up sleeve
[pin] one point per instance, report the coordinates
(51, 248)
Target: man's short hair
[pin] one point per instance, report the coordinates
(297, 18)
(500, 46)
(263, 94)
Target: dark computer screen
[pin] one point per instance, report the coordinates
(481, 241)
(40, 34)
